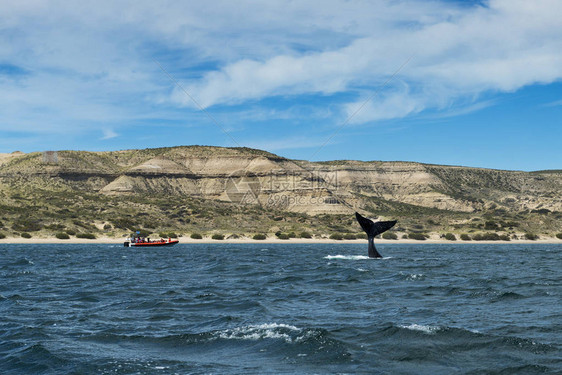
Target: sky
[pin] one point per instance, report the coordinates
(471, 83)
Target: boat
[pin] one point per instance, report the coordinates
(147, 242)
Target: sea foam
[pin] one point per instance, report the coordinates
(260, 332)
(347, 257)
(421, 328)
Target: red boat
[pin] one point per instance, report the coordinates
(146, 242)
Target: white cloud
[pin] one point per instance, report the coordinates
(466, 109)
(502, 47)
(555, 103)
(90, 63)
(391, 106)
(108, 134)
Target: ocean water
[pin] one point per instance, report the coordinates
(281, 309)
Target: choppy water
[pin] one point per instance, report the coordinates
(283, 308)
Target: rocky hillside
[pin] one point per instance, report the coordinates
(239, 191)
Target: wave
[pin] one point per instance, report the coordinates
(507, 296)
(33, 359)
(421, 328)
(429, 349)
(435, 329)
(412, 276)
(17, 263)
(354, 257)
(494, 295)
(22, 262)
(461, 338)
(414, 333)
(275, 331)
(287, 279)
(284, 339)
(285, 332)
(347, 257)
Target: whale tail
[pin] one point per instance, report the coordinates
(373, 229)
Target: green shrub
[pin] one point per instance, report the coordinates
(2, 235)
(450, 237)
(292, 235)
(89, 236)
(123, 223)
(27, 225)
(259, 236)
(196, 236)
(531, 236)
(404, 236)
(55, 226)
(542, 211)
(71, 232)
(62, 236)
(107, 227)
(283, 236)
(512, 224)
(490, 225)
(217, 236)
(308, 235)
(465, 237)
(350, 236)
(417, 236)
(490, 236)
(83, 225)
(143, 232)
(505, 237)
(26, 235)
(336, 236)
(389, 236)
(559, 236)
(148, 225)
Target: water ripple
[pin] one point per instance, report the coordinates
(230, 309)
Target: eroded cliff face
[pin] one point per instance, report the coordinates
(253, 177)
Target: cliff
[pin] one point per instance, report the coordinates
(241, 190)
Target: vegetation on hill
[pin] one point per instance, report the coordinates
(184, 190)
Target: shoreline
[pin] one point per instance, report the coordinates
(187, 240)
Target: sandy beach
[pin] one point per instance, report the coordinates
(270, 240)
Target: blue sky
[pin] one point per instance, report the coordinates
(473, 83)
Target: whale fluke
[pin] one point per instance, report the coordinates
(373, 229)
